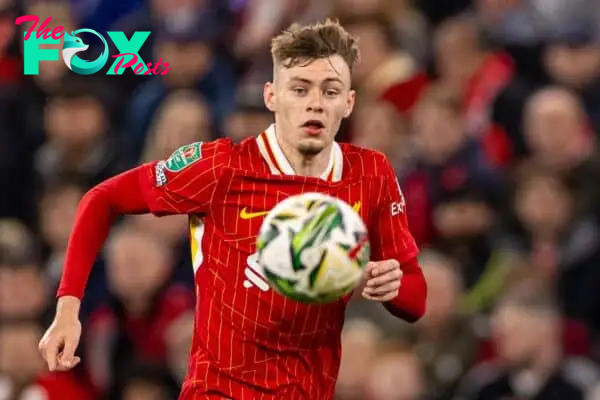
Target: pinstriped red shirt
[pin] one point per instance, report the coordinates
(250, 342)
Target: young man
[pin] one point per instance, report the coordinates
(249, 341)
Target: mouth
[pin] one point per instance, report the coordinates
(313, 127)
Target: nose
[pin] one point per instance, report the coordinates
(315, 101)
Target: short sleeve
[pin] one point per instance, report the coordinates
(186, 181)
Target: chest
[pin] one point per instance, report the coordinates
(245, 202)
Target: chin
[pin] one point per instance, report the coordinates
(310, 147)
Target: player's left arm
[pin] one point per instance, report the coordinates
(394, 277)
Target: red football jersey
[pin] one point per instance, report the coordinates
(251, 342)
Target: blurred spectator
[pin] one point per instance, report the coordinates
(179, 337)
(396, 374)
(258, 22)
(559, 243)
(392, 136)
(33, 95)
(169, 229)
(455, 196)
(551, 42)
(23, 289)
(467, 67)
(573, 60)
(23, 292)
(17, 243)
(410, 28)
(261, 19)
(51, 73)
(156, 15)
(450, 168)
(557, 129)
(182, 118)
(444, 340)
(385, 72)
(22, 100)
(558, 134)
(80, 140)
(133, 323)
(194, 63)
(57, 209)
(22, 370)
(527, 326)
(360, 341)
(250, 116)
(144, 382)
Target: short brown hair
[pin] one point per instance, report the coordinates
(303, 44)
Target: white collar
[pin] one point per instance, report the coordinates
(279, 164)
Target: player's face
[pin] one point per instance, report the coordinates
(309, 102)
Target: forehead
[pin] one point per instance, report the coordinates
(319, 70)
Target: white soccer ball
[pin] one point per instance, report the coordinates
(313, 247)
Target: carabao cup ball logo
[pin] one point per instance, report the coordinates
(73, 45)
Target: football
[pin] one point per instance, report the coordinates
(313, 247)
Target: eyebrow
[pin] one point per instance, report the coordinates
(308, 81)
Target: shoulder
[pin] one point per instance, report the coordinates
(214, 147)
(189, 154)
(189, 160)
(366, 162)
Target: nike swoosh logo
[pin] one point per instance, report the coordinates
(244, 214)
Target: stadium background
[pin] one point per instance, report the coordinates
(488, 109)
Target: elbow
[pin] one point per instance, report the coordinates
(95, 199)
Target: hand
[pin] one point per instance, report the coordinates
(383, 280)
(60, 341)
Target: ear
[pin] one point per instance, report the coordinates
(269, 96)
(350, 103)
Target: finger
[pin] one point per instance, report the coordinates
(51, 354)
(68, 353)
(42, 348)
(369, 269)
(65, 366)
(380, 298)
(380, 290)
(384, 266)
(390, 276)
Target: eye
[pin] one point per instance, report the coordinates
(332, 92)
(299, 90)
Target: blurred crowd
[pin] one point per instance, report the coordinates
(488, 109)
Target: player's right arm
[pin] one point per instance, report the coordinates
(183, 184)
